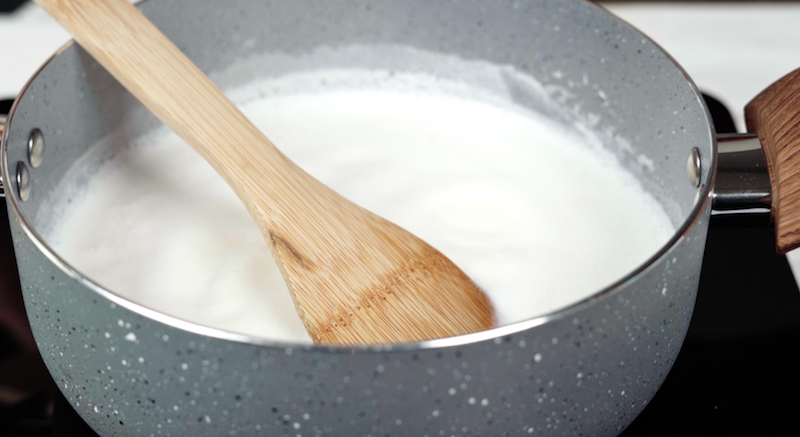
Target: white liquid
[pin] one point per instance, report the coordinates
(531, 214)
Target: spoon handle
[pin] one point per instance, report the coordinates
(154, 70)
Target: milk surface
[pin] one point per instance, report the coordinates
(534, 216)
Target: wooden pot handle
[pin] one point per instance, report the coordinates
(775, 116)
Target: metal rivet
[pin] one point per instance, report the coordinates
(23, 181)
(36, 148)
(693, 167)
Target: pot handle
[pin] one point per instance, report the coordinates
(775, 116)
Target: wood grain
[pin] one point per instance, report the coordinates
(354, 277)
(775, 116)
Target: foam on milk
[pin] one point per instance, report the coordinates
(534, 216)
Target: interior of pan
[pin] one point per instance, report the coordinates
(568, 60)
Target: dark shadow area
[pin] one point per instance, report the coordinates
(7, 6)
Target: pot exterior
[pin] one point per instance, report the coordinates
(586, 370)
(590, 372)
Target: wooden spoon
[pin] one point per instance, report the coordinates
(354, 277)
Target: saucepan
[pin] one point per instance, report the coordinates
(586, 369)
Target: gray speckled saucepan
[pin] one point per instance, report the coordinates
(587, 369)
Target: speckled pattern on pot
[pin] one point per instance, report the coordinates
(588, 369)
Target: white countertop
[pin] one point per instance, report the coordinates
(732, 51)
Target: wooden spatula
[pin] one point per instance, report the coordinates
(354, 277)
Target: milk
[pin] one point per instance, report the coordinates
(534, 216)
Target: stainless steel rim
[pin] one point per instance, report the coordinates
(704, 197)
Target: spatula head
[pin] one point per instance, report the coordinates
(384, 285)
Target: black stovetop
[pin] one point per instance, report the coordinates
(736, 375)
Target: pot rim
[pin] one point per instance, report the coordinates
(703, 197)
